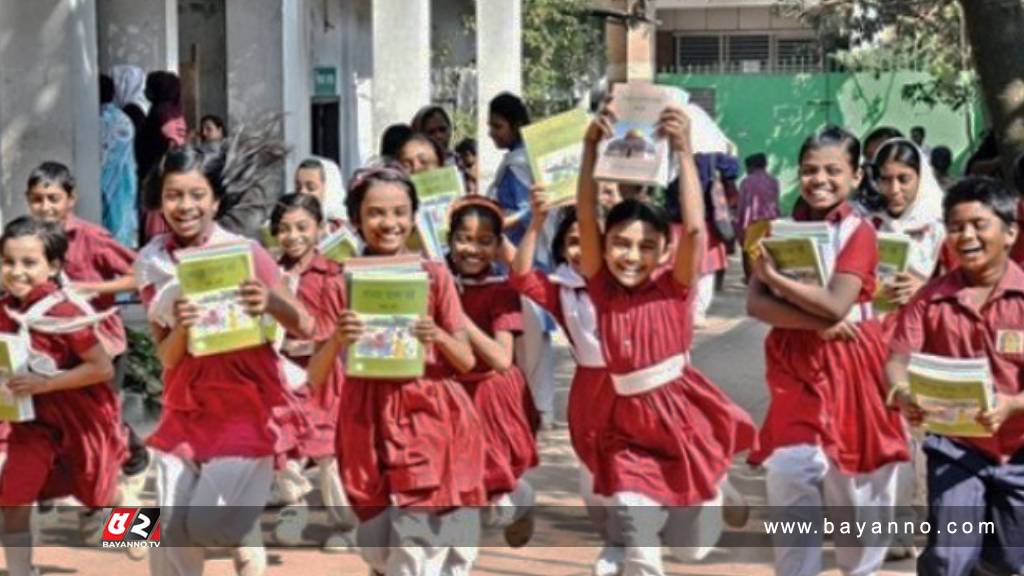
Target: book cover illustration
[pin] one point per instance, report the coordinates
(635, 154)
(14, 360)
(389, 300)
(436, 189)
(952, 391)
(554, 147)
(341, 245)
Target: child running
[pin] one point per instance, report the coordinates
(828, 438)
(496, 385)
(73, 446)
(410, 451)
(671, 434)
(223, 415)
(319, 285)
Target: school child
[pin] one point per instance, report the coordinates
(223, 415)
(511, 189)
(974, 311)
(70, 447)
(410, 452)
(672, 434)
(321, 178)
(912, 206)
(97, 268)
(496, 385)
(563, 294)
(420, 153)
(319, 285)
(828, 438)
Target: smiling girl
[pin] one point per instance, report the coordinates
(410, 451)
(828, 438)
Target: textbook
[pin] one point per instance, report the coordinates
(14, 360)
(210, 277)
(555, 148)
(341, 245)
(389, 298)
(436, 189)
(952, 391)
(893, 258)
(635, 154)
(799, 250)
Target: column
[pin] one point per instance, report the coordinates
(401, 61)
(499, 50)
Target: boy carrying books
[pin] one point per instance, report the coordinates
(975, 311)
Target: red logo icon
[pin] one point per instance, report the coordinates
(132, 528)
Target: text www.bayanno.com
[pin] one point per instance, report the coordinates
(827, 527)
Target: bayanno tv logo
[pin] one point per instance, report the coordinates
(132, 528)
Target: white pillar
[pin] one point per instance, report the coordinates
(49, 97)
(355, 79)
(139, 32)
(401, 61)
(499, 49)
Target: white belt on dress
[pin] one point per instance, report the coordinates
(652, 377)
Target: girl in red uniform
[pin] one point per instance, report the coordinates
(410, 452)
(224, 416)
(828, 438)
(498, 389)
(70, 447)
(296, 223)
(672, 434)
(563, 294)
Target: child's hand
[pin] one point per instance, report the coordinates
(1006, 406)
(254, 297)
(27, 384)
(764, 267)
(842, 330)
(907, 406)
(902, 288)
(186, 313)
(674, 125)
(82, 291)
(348, 329)
(539, 198)
(601, 126)
(425, 330)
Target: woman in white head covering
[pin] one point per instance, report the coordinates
(129, 93)
(321, 177)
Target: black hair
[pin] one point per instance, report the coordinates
(362, 180)
(295, 201)
(756, 162)
(466, 146)
(419, 121)
(511, 108)
(163, 86)
(918, 129)
(424, 139)
(481, 211)
(393, 138)
(987, 191)
(53, 174)
(881, 134)
(312, 164)
(181, 160)
(830, 136)
(215, 120)
(902, 151)
(631, 210)
(55, 242)
(942, 159)
(566, 218)
(106, 89)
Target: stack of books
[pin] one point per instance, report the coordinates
(952, 392)
(801, 250)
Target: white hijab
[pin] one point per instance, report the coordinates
(334, 190)
(130, 86)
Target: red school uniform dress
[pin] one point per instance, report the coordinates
(95, 256)
(75, 445)
(233, 404)
(321, 289)
(832, 393)
(672, 433)
(503, 400)
(943, 321)
(591, 396)
(413, 443)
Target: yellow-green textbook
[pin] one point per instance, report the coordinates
(389, 295)
(554, 146)
(893, 258)
(210, 277)
(14, 360)
(341, 245)
(798, 250)
(952, 391)
(436, 190)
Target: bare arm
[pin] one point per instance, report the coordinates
(675, 125)
(455, 347)
(118, 285)
(586, 195)
(497, 352)
(766, 307)
(95, 368)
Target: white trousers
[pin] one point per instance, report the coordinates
(908, 490)
(214, 504)
(400, 542)
(802, 483)
(705, 294)
(535, 357)
(509, 507)
(641, 526)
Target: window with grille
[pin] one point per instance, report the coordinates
(749, 53)
(797, 53)
(698, 51)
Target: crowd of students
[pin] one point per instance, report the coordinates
(413, 470)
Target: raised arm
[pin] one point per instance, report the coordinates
(586, 194)
(523, 262)
(675, 126)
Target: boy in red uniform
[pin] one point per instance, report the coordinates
(976, 310)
